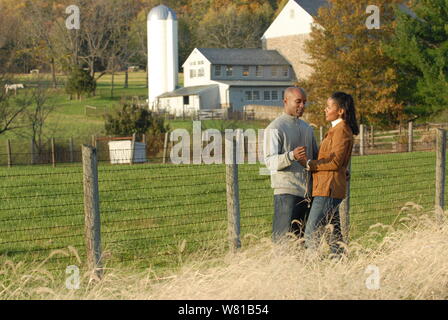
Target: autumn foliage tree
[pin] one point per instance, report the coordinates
(348, 56)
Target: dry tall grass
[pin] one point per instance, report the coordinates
(412, 261)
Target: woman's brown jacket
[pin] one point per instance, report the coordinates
(329, 170)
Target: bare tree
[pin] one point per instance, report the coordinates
(10, 110)
(36, 115)
(120, 51)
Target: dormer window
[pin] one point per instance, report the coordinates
(285, 71)
(259, 71)
(229, 71)
(274, 71)
(217, 71)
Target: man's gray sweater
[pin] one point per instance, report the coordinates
(281, 137)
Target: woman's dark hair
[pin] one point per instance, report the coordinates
(345, 101)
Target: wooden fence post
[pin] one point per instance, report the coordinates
(362, 140)
(410, 136)
(233, 199)
(165, 147)
(32, 152)
(344, 210)
(372, 137)
(92, 210)
(133, 147)
(53, 153)
(440, 170)
(8, 152)
(70, 147)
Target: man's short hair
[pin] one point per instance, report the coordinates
(294, 88)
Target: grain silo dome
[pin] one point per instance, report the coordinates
(162, 13)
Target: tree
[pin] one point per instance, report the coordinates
(347, 56)
(420, 49)
(119, 51)
(80, 81)
(234, 26)
(41, 32)
(132, 119)
(36, 115)
(10, 110)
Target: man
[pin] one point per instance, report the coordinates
(291, 182)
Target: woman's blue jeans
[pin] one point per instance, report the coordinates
(324, 211)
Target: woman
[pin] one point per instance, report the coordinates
(329, 171)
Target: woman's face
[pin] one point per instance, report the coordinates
(332, 111)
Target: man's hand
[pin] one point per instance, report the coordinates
(300, 155)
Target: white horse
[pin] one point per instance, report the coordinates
(13, 87)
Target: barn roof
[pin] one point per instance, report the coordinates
(311, 6)
(243, 56)
(187, 91)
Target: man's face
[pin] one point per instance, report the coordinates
(295, 103)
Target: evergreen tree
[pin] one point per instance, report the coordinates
(420, 49)
(79, 82)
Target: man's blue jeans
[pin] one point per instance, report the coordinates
(324, 211)
(290, 213)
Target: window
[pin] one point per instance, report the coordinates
(267, 96)
(245, 71)
(201, 72)
(229, 71)
(274, 71)
(259, 71)
(283, 94)
(285, 71)
(217, 71)
(248, 95)
(274, 95)
(256, 95)
(192, 73)
(186, 100)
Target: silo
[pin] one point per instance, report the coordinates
(162, 53)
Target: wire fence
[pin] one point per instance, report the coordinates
(156, 148)
(155, 214)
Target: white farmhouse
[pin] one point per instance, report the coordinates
(229, 78)
(289, 31)
(234, 78)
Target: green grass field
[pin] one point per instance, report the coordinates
(158, 214)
